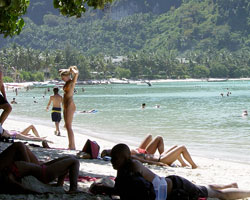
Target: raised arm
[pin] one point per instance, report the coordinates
(75, 72)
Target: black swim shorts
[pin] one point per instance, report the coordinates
(2, 100)
(56, 114)
(184, 189)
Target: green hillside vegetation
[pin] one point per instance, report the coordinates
(212, 35)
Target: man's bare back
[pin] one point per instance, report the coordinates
(56, 100)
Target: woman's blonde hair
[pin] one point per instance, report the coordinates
(66, 72)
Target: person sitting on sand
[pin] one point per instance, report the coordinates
(171, 187)
(146, 153)
(24, 135)
(17, 161)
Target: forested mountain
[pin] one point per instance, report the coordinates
(129, 25)
(213, 36)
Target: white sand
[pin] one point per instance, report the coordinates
(209, 171)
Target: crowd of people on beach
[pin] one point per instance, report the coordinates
(133, 181)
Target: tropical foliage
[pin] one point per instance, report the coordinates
(11, 11)
(158, 39)
(21, 64)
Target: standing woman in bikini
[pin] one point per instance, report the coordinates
(69, 106)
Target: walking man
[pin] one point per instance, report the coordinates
(56, 109)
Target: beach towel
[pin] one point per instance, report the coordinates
(84, 179)
(92, 148)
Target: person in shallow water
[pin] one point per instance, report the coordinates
(171, 187)
(147, 149)
(68, 104)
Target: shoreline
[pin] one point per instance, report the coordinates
(53, 83)
(209, 170)
(107, 140)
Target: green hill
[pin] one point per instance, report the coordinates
(150, 25)
(157, 39)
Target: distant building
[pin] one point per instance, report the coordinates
(117, 59)
(184, 60)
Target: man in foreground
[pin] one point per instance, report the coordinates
(170, 187)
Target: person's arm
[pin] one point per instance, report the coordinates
(98, 188)
(75, 72)
(18, 187)
(147, 161)
(2, 85)
(50, 100)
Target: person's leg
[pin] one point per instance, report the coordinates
(53, 170)
(173, 155)
(27, 137)
(155, 144)
(16, 151)
(6, 111)
(183, 164)
(57, 128)
(228, 194)
(145, 142)
(27, 130)
(69, 114)
(220, 187)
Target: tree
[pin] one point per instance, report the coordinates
(122, 73)
(218, 70)
(11, 11)
(201, 71)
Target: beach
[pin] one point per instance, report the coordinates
(210, 170)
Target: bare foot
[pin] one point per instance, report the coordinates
(234, 185)
(184, 165)
(45, 144)
(194, 166)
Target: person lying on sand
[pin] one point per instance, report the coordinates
(170, 187)
(17, 161)
(24, 135)
(146, 153)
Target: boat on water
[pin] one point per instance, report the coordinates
(118, 81)
(216, 80)
(17, 85)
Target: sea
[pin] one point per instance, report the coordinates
(194, 114)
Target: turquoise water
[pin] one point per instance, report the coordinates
(190, 113)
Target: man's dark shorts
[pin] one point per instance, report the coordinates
(56, 114)
(184, 189)
(2, 100)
